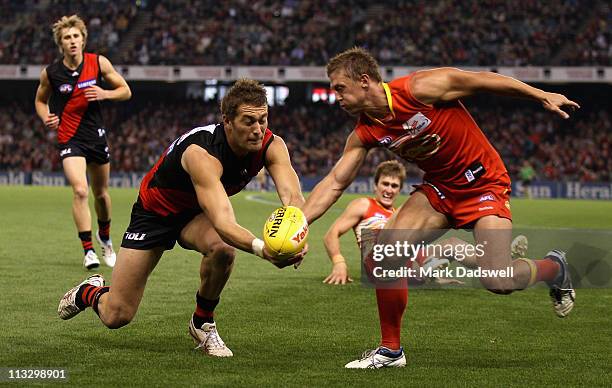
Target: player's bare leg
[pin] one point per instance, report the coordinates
(117, 305)
(495, 236)
(75, 169)
(99, 174)
(215, 269)
(415, 221)
(553, 269)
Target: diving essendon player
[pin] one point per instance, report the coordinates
(184, 198)
(67, 100)
(420, 118)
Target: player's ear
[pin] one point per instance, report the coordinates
(364, 81)
(226, 121)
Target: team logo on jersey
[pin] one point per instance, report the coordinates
(65, 88)
(385, 141)
(416, 124)
(86, 84)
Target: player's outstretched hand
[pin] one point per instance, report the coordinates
(52, 121)
(338, 275)
(95, 93)
(556, 103)
(282, 263)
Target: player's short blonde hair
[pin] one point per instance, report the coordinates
(391, 168)
(355, 62)
(244, 91)
(68, 22)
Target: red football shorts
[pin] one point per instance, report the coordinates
(466, 206)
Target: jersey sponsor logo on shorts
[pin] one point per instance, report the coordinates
(487, 197)
(86, 84)
(480, 209)
(65, 88)
(475, 171)
(416, 124)
(65, 151)
(135, 236)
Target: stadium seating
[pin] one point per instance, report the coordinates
(309, 32)
(577, 149)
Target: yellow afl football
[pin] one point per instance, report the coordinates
(285, 232)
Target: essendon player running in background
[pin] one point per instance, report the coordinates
(184, 198)
(420, 118)
(68, 100)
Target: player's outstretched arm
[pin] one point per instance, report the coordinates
(119, 90)
(205, 172)
(285, 179)
(347, 220)
(41, 102)
(447, 84)
(327, 192)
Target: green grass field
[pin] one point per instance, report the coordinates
(285, 327)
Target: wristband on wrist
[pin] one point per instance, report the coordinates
(338, 258)
(257, 246)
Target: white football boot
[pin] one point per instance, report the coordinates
(108, 254)
(67, 306)
(518, 247)
(209, 340)
(380, 357)
(91, 261)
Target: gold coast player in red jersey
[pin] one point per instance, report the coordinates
(420, 118)
(366, 214)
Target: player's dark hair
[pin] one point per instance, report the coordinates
(391, 168)
(68, 22)
(355, 62)
(244, 91)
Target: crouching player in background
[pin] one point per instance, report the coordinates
(367, 214)
(184, 198)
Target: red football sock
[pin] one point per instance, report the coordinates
(547, 270)
(391, 306)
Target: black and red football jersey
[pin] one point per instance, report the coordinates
(167, 189)
(80, 120)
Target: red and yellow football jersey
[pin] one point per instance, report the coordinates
(443, 140)
(374, 218)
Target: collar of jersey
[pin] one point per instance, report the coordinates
(381, 205)
(389, 103)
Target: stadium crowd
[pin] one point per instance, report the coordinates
(26, 36)
(309, 32)
(575, 149)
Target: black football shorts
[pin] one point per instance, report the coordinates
(148, 230)
(93, 153)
